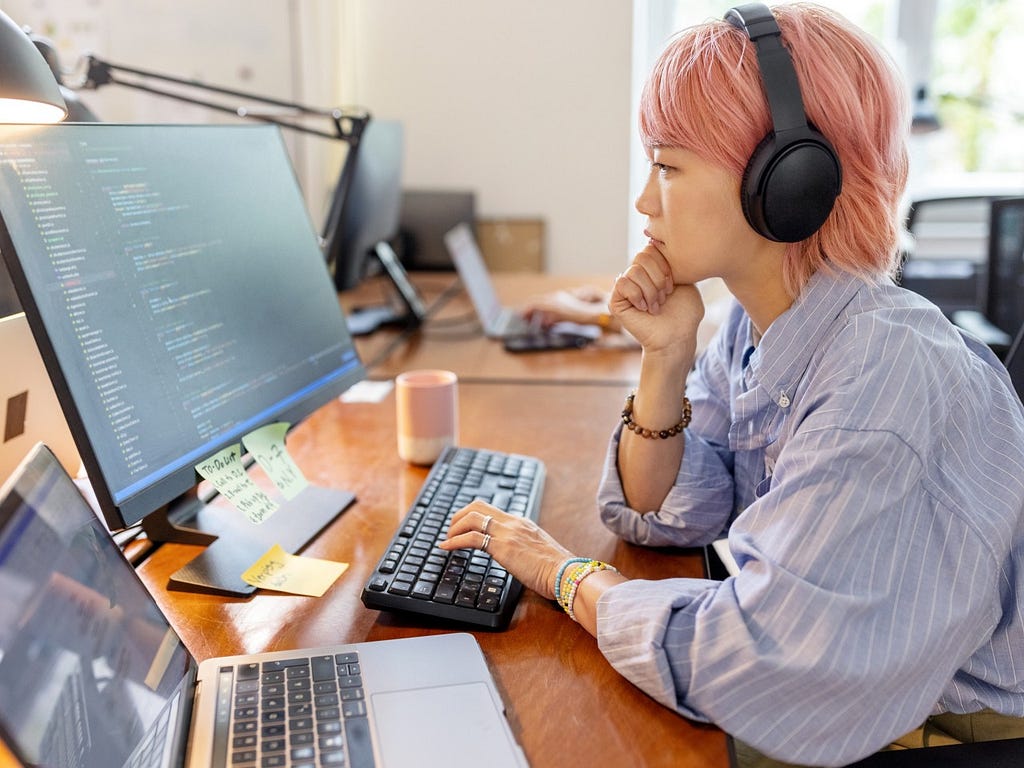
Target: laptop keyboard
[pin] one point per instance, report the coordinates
(302, 712)
(464, 586)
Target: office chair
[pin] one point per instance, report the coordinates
(1002, 313)
(945, 259)
(1014, 362)
(1007, 753)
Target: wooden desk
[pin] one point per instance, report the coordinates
(565, 703)
(453, 339)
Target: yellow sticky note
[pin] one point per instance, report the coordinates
(266, 445)
(228, 475)
(283, 572)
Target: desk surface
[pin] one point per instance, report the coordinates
(564, 701)
(453, 339)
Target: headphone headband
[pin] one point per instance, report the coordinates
(777, 73)
(793, 177)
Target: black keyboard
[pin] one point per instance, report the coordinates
(465, 586)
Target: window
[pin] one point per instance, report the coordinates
(961, 54)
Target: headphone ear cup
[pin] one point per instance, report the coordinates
(789, 188)
(750, 185)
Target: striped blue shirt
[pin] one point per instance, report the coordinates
(867, 461)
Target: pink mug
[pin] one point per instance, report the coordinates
(427, 413)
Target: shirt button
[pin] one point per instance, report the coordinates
(783, 400)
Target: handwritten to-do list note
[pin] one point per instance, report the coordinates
(227, 474)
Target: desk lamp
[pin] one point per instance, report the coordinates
(29, 93)
(347, 124)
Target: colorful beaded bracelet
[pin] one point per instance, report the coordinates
(632, 426)
(575, 578)
(561, 573)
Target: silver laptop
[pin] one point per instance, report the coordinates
(28, 405)
(92, 675)
(499, 322)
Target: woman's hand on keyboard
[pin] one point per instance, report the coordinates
(522, 547)
(529, 553)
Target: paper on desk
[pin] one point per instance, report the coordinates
(367, 391)
(266, 446)
(225, 470)
(283, 572)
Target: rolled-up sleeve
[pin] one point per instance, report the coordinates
(703, 499)
(637, 619)
(696, 510)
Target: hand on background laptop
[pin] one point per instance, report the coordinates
(585, 305)
(588, 305)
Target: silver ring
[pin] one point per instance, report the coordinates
(487, 541)
(487, 523)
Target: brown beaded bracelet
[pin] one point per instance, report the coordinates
(632, 426)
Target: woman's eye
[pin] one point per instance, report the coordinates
(661, 168)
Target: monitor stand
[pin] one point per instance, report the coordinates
(364, 320)
(233, 543)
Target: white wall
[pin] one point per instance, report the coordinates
(526, 103)
(246, 45)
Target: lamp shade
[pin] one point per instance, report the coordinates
(29, 93)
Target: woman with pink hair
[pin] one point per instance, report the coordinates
(863, 457)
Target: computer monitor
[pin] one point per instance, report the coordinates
(1014, 362)
(363, 221)
(1005, 304)
(29, 411)
(427, 215)
(179, 298)
(9, 304)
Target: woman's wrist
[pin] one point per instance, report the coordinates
(572, 575)
(672, 360)
(560, 575)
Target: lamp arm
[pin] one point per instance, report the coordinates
(348, 125)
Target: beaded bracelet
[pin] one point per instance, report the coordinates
(576, 577)
(561, 573)
(571, 581)
(632, 426)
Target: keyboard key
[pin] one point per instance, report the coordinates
(322, 667)
(360, 747)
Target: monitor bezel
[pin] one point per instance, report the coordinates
(367, 185)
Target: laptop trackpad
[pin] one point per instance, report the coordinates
(448, 726)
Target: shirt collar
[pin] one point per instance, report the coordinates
(785, 349)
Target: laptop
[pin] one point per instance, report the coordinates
(28, 405)
(92, 674)
(499, 322)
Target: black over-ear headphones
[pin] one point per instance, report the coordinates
(793, 178)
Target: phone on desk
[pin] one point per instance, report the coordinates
(541, 341)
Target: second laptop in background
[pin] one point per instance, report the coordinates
(498, 321)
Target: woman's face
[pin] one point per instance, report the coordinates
(695, 219)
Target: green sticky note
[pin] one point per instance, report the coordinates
(228, 475)
(266, 445)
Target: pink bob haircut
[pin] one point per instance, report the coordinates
(705, 95)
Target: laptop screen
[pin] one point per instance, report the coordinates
(473, 273)
(88, 665)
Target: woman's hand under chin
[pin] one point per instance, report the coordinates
(661, 315)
